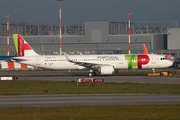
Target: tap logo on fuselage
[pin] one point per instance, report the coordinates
(137, 61)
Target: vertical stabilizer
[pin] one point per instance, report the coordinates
(145, 51)
(15, 36)
(22, 47)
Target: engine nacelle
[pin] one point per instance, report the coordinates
(106, 70)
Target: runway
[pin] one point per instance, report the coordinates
(75, 100)
(69, 100)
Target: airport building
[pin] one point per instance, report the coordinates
(160, 37)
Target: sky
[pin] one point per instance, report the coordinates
(76, 11)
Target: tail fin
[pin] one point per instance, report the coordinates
(22, 47)
(145, 51)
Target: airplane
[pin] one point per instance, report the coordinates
(71, 52)
(145, 51)
(104, 64)
(4, 58)
(86, 52)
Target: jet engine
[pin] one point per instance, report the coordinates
(105, 70)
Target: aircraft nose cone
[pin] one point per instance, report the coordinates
(170, 63)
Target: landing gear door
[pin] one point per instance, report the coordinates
(38, 61)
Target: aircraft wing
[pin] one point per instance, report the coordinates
(85, 64)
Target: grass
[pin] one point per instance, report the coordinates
(139, 112)
(37, 87)
(127, 112)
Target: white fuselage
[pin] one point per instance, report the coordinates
(118, 61)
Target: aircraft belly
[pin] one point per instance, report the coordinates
(30, 62)
(157, 65)
(66, 66)
(121, 65)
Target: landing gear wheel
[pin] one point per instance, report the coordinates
(94, 73)
(90, 74)
(153, 70)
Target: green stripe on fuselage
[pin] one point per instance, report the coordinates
(132, 61)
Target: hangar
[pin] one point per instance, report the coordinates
(160, 37)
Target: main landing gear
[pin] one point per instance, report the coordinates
(153, 70)
(92, 73)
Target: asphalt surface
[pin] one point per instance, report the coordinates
(75, 75)
(68, 100)
(75, 100)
